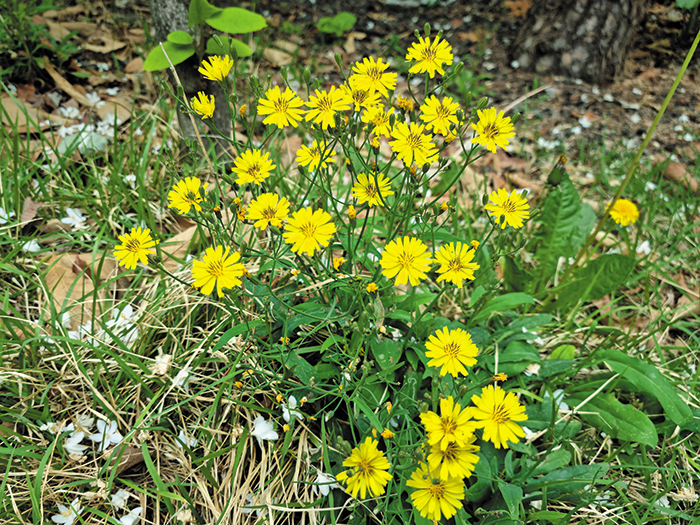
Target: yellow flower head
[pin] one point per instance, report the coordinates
(439, 116)
(185, 194)
(361, 98)
(456, 263)
(203, 106)
(372, 288)
(452, 350)
(411, 145)
(282, 108)
(352, 213)
(243, 110)
(387, 434)
(406, 259)
(453, 425)
(389, 406)
(370, 190)
(474, 245)
(513, 207)
(315, 155)
(371, 75)
(269, 208)
(367, 470)
(309, 230)
(624, 212)
(404, 103)
(134, 247)
(500, 377)
(252, 166)
(374, 142)
(286, 427)
(429, 56)
(497, 412)
(338, 262)
(325, 104)
(217, 268)
(379, 117)
(435, 498)
(217, 68)
(284, 341)
(493, 129)
(455, 461)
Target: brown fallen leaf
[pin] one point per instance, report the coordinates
(110, 45)
(64, 85)
(17, 115)
(120, 106)
(518, 8)
(676, 172)
(277, 57)
(130, 457)
(134, 66)
(29, 210)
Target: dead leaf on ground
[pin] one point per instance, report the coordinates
(176, 248)
(120, 106)
(29, 210)
(676, 172)
(66, 86)
(518, 8)
(131, 456)
(277, 57)
(14, 116)
(109, 45)
(134, 66)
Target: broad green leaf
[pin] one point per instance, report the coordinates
(648, 379)
(568, 479)
(547, 515)
(620, 421)
(156, 60)
(512, 495)
(503, 303)
(514, 358)
(481, 488)
(200, 10)
(300, 367)
(563, 352)
(387, 353)
(236, 20)
(182, 38)
(687, 4)
(337, 24)
(515, 278)
(555, 460)
(598, 278)
(242, 50)
(586, 220)
(234, 331)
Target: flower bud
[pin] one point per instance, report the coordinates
(307, 77)
(459, 67)
(515, 118)
(423, 407)
(426, 29)
(468, 98)
(485, 199)
(338, 60)
(416, 33)
(482, 103)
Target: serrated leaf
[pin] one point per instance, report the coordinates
(503, 303)
(586, 220)
(620, 421)
(199, 11)
(648, 379)
(515, 277)
(156, 60)
(182, 38)
(236, 20)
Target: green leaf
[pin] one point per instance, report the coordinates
(514, 358)
(555, 460)
(233, 332)
(687, 4)
(199, 11)
(156, 60)
(512, 495)
(242, 50)
(236, 20)
(586, 220)
(387, 353)
(620, 421)
(648, 379)
(548, 515)
(503, 303)
(515, 277)
(337, 24)
(300, 367)
(563, 352)
(568, 479)
(598, 278)
(182, 38)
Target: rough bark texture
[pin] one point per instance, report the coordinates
(586, 39)
(171, 15)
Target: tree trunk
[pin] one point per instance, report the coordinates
(171, 15)
(586, 39)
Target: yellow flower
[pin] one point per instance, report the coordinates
(374, 142)
(439, 116)
(372, 288)
(252, 166)
(324, 106)
(243, 110)
(238, 384)
(493, 129)
(372, 191)
(361, 98)
(452, 350)
(284, 341)
(624, 212)
(351, 212)
(404, 103)
(411, 145)
(387, 434)
(474, 245)
(308, 230)
(379, 117)
(453, 425)
(185, 194)
(338, 262)
(282, 108)
(455, 461)
(455, 263)
(217, 68)
(217, 268)
(279, 398)
(389, 406)
(369, 74)
(367, 470)
(406, 259)
(269, 208)
(500, 377)
(203, 106)
(315, 155)
(513, 207)
(450, 137)
(134, 247)
(241, 213)
(429, 56)
(286, 427)
(497, 412)
(435, 498)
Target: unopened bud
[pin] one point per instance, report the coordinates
(392, 120)
(459, 67)
(416, 33)
(515, 118)
(423, 407)
(468, 98)
(485, 199)
(284, 73)
(338, 60)
(426, 29)
(307, 77)
(482, 103)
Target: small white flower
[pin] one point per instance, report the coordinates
(263, 429)
(119, 498)
(635, 118)
(112, 92)
(183, 379)
(5, 217)
(251, 500)
(107, 434)
(182, 439)
(55, 428)
(132, 517)
(130, 180)
(533, 369)
(585, 123)
(69, 112)
(326, 483)
(68, 515)
(12, 89)
(683, 119)
(576, 130)
(74, 218)
(289, 412)
(93, 98)
(122, 324)
(536, 504)
(84, 423)
(558, 396)
(72, 444)
(650, 186)
(162, 364)
(31, 247)
(644, 248)
(529, 434)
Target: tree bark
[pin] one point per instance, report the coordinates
(171, 15)
(586, 39)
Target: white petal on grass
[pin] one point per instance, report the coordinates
(72, 444)
(107, 434)
(683, 119)
(132, 517)
(644, 248)
(31, 246)
(162, 364)
(130, 180)
(326, 482)
(112, 92)
(182, 439)
(55, 428)
(5, 216)
(183, 378)
(119, 498)
(74, 218)
(289, 412)
(263, 430)
(533, 369)
(68, 515)
(69, 112)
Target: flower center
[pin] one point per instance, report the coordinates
(133, 245)
(380, 119)
(371, 190)
(365, 468)
(450, 453)
(308, 229)
(281, 105)
(455, 265)
(254, 171)
(414, 140)
(67, 512)
(491, 131)
(449, 426)
(452, 350)
(508, 206)
(215, 269)
(325, 105)
(500, 414)
(406, 260)
(437, 490)
(315, 154)
(442, 112)
(269, 213)
(374, 73)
